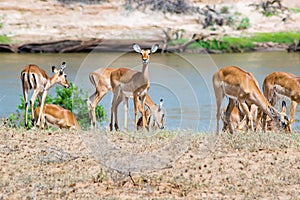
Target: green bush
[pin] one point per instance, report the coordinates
(244, 24)
(5, 39)
(72, 98)
(295, 10)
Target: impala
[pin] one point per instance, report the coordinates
(101, 81)
(237, 117)
(154, 116)
(126, 83)
(240, 85)
(36, 79)
(279, 84)
(239, 120)
(57, 116)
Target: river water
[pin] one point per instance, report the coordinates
(182, 80)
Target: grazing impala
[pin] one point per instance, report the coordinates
(240, 85)
(239, 121)
(237, 118)
(285, 84)
(101, 81)
(126, 83)
(36, 79)
(57, 116)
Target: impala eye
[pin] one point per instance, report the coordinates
(65, 75)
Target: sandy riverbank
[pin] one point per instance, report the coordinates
(33, 20)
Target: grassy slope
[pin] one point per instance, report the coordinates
(229, 44)
(5, 40)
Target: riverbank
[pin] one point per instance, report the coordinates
(60, 165)
(27, 22)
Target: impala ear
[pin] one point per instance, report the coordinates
(154, 48)
(272, 111)
(63, 66)
(161, 102)
(136, 48)
(54, 70)
(283, 107)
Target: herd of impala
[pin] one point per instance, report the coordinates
(247, 108)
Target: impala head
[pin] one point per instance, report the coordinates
(157, 115)
(145, 52)
(284, 118)
(281, 118)
(60, 75)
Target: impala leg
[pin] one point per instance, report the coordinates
(91, 109)
(242, 123)
(112, 113)
(258, 120)
(246, 110)
(117, 99)
(143, 112)
(25, 95)
(43, 121)
(39, 98)
(219, 96)
(41, 108)
(40, 102)
(218, 115)
(32, 100)
(113, 105)
(137, 106)
(292, 113)
(228, 113)
(125, 113)
(92, 103)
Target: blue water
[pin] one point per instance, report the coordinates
(183, 81)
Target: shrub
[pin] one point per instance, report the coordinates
(225, 10)
(244, 24)
(72, 98)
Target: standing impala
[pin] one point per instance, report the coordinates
(285, 84)
(36, 79)
(126, 83)
(101, 81)
(240, 85)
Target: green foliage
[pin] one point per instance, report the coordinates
(4, 39)
(225, 10)
(239, 44)
(235, 42)
(279, 37)
(72, 98)
(269, 14)
(295, 10)
(18, 118)
(244, 24)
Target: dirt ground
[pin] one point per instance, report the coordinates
(48, 20)
(66, 165)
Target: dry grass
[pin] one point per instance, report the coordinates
(68, 165)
